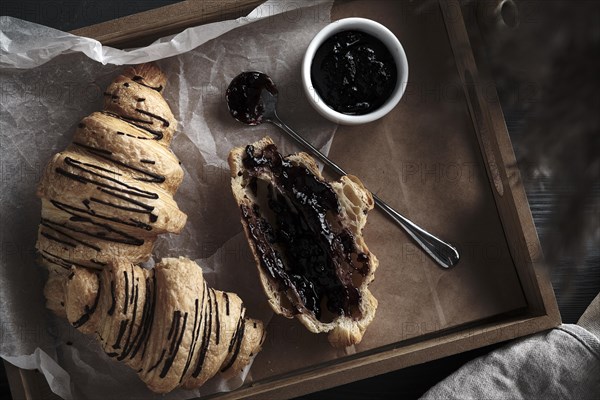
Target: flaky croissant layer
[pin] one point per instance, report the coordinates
(165, 323)
(109, 194)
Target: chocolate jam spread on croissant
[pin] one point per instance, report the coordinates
(298, 245)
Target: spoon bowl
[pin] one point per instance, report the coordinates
(251, 97)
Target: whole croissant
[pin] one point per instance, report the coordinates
(109, 194)
(105, 199)
(165, 323)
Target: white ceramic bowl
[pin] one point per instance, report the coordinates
(387, 38)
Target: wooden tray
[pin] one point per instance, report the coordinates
(501, 297)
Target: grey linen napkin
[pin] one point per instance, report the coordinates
(563, 363)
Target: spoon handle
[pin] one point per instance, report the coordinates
(443, 253)
(302, 142)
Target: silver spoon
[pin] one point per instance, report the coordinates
(252, 100)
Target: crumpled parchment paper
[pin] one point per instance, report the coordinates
(50, 79)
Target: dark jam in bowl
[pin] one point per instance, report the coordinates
(353, 72)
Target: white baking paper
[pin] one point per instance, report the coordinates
(49, 80)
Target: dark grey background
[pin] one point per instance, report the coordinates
(576, 283)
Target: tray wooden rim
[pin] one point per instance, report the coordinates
(143, 28)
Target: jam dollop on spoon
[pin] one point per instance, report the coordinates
(252, 100)
(244, 96)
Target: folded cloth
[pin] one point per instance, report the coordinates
(563, 363)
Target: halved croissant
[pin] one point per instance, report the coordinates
(306, 236)
(165, 323)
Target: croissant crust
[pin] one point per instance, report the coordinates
(165, 323)
(109, 194)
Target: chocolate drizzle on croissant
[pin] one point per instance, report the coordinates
(105, 199)
(110, 194)
(165, 323)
